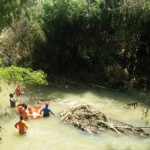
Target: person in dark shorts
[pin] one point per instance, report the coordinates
(12, 101)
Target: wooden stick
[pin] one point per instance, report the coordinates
(128, 127)
(97, 85)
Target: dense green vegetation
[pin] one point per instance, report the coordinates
(21, 75)
(105, 42)
(11, 10)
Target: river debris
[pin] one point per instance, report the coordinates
(82, 117)
(6, 113)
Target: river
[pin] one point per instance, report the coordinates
(52, 134)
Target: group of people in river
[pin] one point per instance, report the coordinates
(27, 112)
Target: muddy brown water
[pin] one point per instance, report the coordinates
(52, 134)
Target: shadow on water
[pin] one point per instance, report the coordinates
(125, 97)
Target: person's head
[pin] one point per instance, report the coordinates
(11, 95)
(21, 117)
(47, 104)
(24, 105)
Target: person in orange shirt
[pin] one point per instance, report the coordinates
(28, 112)
(18, 91)
(20, 108)
(25, 113)
(21, 125)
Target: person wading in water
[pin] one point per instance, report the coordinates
(21, 125)
(46, 111)
(12, 101)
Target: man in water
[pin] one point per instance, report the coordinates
(46, 111)
(18, 91)
(25, 113)
(12, 101)
(21, 125)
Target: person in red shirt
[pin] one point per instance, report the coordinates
(21, 125)
(18, 92)
(26, 115)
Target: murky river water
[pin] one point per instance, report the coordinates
(52, 134)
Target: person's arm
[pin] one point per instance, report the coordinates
(11, 99)
(52, 113)
(16, 125)
(28, 114)
(15, 100)
(26, 125)
(41, 111)
(15, 91)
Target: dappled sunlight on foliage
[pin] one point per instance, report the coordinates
(10, 11)
(23, 75)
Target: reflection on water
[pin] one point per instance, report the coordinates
(52, 134)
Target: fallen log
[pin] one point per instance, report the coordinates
(97, 85)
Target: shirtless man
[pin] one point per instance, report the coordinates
(21, 125)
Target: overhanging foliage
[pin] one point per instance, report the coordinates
(23, 75)
(10, 11)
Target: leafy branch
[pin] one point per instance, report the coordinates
(23, 75)
(135, 105)
(145, 112)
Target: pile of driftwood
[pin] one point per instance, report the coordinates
(84, 118)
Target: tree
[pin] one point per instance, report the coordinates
(23, 75)
(10, 11)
